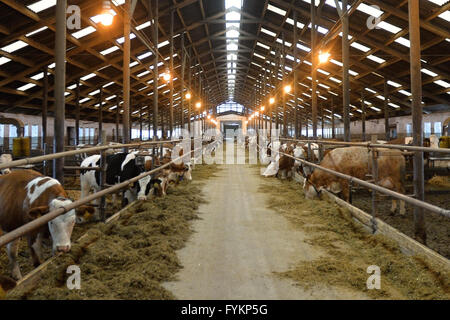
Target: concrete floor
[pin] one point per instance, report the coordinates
(238, 243)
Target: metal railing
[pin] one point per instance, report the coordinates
(39, 222)
(374, 187)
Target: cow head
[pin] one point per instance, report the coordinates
(187, 172)
(61, 227)
(310, 190)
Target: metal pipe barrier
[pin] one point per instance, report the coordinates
(39, 222)
(375, 187)
(37, 159)
(372, 145)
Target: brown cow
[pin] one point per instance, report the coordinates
(357, 162)
(286, 164)
(25, 195)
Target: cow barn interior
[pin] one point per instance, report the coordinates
(314, 138)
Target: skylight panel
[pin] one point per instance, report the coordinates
(375, 108)
(14, 46)
(370, 90)
(277, 10)
(428, 72)
(335, 80)
(38, 76)
(233, 3)
(291, 22)
(259, 56)
(233, 34)
(445, 15)
(381, 97)
(393, 105)
(26, 87)
(270, 33)
(406, 93)
(144, 55)
(71, 87)
(85, 99)
(353, 73)
(144, 25)
(369, 10)
(122, 39)
(83, 32)
(394, 84)
(162, 44)
(360, 46)
(302, 47)
(134, 63)
(143, 73)
(262, 45)
(93, 93)
(4, 60)
(403, 41)
(389, 27)
(91, 75)
(320, 29)
(288, 44)
(439, 2)
(51, 66)
(376, 59)
(41, 5)
(109, 50)
(36, 31)
(323, 72)
(336, 62)
(442, 83)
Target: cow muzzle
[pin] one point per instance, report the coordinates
(63, 249)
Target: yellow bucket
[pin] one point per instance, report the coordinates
(21, 147)
(444, 142)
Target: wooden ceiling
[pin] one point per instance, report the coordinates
(204, 25)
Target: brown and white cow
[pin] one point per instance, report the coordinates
(26, 195)
(357, 162)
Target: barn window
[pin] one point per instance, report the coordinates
(427, 129)
(438, 129)
(409, 129)
(34, 136)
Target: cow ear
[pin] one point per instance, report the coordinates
(36, 212)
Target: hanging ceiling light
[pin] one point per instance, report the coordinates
(287, 88)
(167, 76)
(107, 16)
(324, 57)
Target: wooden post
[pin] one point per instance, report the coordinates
(60, 87)
(77, 113)
(416, 92)
(386, 110)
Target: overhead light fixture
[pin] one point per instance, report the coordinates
(106, 17)
(262, 108)
(272, 100)
(188, 96)
(167, 76)
(324, 57)
(287, 88)
(198, 105)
